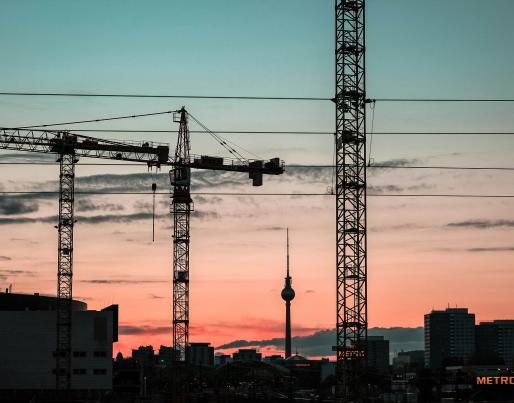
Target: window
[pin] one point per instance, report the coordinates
(100, 354)
(79, 371)
(99, 371)
(79, 353)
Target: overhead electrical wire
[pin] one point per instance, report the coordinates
(259, 131)
(240, 97)
(264, 194)
(92, 120)
(287, 166)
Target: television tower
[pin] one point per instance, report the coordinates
(288, 295)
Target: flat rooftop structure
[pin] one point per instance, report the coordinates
(34, 302)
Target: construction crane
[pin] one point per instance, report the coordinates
(181, 207)
(350, 99)
(70, 147)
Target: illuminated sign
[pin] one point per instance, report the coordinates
(495, 380)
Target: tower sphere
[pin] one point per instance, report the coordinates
(287, 294)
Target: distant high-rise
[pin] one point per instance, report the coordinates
(378, 352)
(288, 295)
(495, 342)
(449, 337)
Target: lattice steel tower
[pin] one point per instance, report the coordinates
(350, 99)
(67, 161)
(181, 206)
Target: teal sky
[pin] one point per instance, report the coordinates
(446, 247)
(278, 48)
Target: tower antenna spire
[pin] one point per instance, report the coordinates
(287, 232)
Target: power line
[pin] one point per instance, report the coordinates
(262, 131)
(443, 99)
(95, 120)
(244, 97)
(287, 166)
(266, 194)
(239, 97)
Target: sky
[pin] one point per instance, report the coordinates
(424, 252)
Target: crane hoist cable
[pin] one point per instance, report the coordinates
(372, 106)
(223, 142)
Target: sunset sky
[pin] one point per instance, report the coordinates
(424, 252)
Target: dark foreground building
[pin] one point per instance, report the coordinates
(28, 344)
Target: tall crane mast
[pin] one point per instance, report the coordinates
(350, 100)
(181, 207)
(69, 147)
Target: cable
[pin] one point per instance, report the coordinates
(268, 194)
(240, 97)
(219, 139)
(244, 97)
(263, 132)
(94, 120)
(287, 166)
(372, 106)
(443, 99)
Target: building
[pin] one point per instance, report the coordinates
(166, 356)
(449, 337)
(247, 354)
(200, 354)
(28, 344)
(377, 352)
(144, 356)
(410, 359)
(222, 359)
(495, 342)
(288, 295)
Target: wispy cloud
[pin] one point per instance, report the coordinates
(122, 281)
(133, 330)
(153, 296)
(4, 258)
(86, 204)
(482, 224)
(493, 249)
(12, 206)
(6, 273)
(94, 219)
(320, 343)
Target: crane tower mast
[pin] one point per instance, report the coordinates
(350, 100)
(181, 204)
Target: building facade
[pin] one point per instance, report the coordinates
(200, 354)
(247, 354)
(377, 352)
(28, 344)
(449, 337)
(495, 341)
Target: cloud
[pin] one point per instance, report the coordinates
(133, 330)
(13, 205)
(493, 249)
(86, 204)
(4, 258)
(309, 291)
(320, 343)
(122, 281)
(482, 224)
(95, 219)
(398, 162)
(20, 156)
(4, 274)
(153, 296)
